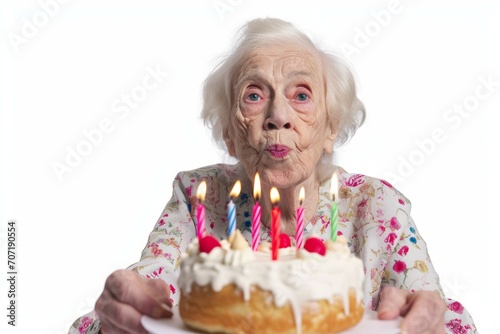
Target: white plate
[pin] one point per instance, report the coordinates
(369, 324)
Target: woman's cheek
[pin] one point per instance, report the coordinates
(305, 134)
(255, 137)
(250, 131)
(242, 130)
(306, 142)
(308, 117)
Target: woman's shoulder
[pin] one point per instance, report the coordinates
(365, 185)
(221, 170)
(217, 175)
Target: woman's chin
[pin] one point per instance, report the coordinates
(279, 177)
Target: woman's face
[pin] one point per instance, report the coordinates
(281, 127)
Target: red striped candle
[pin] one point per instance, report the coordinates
(275, 223)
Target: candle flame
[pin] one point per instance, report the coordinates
(236, 189)
(334, 187)
(302, 195)
(202, 189)
(275, 196)
(256, 187)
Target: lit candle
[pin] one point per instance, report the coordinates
(334, 190)
(200, 212)
(256, 214)
(299, 232)
(231, 208)
(275, 223)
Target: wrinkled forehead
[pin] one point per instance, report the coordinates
(280, 62)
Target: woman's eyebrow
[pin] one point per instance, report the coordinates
(252, 76)
(300, 73)
(257, 76)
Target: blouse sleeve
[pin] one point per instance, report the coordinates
(170, 237)
(160, 259)
(409, 267)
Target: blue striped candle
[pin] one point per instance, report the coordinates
(231, 208)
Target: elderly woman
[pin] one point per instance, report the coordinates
(280, 106)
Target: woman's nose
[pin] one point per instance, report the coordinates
(279, 116)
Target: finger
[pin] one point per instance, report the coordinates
(117, 317)
(158, 289)
(423, 313)
(392, 300)
(148, 297)
(159, 293)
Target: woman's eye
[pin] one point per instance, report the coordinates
(302, 97)
(253, 97)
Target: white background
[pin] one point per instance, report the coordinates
(63, 78)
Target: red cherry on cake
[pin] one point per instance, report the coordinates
(207, 243)
(315, 245)
(285, 241)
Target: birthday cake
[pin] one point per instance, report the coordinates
(228, 288)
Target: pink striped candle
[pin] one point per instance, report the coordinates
(299, 232)
(256, 214)
(200, 211)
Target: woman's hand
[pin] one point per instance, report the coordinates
(423, 311)
(126, 297)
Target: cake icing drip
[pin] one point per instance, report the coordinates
(296, 277)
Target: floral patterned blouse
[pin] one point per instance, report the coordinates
(372, 215)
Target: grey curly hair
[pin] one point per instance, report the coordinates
(342, 104)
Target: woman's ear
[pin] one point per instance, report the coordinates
(229, 143)
(330, 135)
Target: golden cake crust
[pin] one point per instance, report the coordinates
(226, 311)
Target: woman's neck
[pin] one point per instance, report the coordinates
(289, 202)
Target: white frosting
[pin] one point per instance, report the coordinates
(296, 277)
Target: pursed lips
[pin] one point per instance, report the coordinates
(278, 151)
